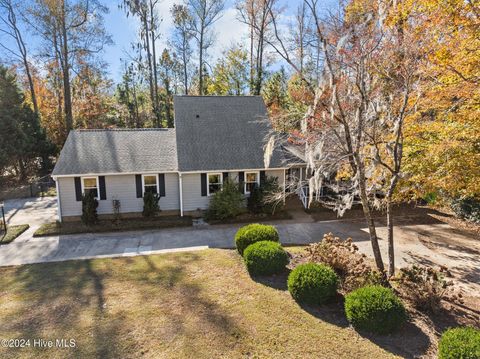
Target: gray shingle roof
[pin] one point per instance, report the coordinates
(222, 133)
(211, 133)
(117, 151)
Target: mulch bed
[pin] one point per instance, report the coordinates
(122, 225)
(252, 218)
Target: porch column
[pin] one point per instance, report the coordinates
(180, 187)
(59, 205)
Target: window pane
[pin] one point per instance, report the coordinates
(251, 177)
(214, 178)
(151, 189)
(212, 188)
(95, 192)
(89, 182)
(250, 186)
(150, 180)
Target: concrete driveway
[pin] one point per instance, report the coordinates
(33, 211)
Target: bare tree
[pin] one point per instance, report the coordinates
(398, 68)
(10, 27)
(259, 16)
(147, 12)
(71, 31)
(181, 40)
(299, 36)
(204, 13)
(353, 127)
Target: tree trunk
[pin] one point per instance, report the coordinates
(391, 253)
(200, 67)
(185, 72)
(149, 60)
(368, 216)
(67, 94)
(23, 52)
(22, 171)
(32, 88)
(154, 62)
(251, 58)
(258, 81)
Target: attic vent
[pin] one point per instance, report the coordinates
(197, 116)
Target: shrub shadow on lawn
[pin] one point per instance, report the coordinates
(410, 341)
(275, 281)
(331, 312)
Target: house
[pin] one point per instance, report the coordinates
(215, 138)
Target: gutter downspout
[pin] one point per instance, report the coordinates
(284, 184)
(59, 206)
(180, 185)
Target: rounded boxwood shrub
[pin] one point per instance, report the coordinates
(265, 257)
(460, 343)
(312, 283)
(254, 232)
(374, 309)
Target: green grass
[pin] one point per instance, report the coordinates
(56, 228)
(12, 233)
(184, 305)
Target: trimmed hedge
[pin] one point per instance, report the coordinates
(254, 232)
(460, 343)
(312, 283)
(374, 309)
(265, 257)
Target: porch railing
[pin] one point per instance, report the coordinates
(304, 193)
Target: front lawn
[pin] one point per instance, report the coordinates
(57, 228)
(12, 233)
(184, 305)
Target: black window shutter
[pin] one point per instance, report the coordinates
(161, 184)
(262, 177)
(78, 188)
(138, 183)
(225, 176)
(103, 191)
(203, 178)
(241, 180)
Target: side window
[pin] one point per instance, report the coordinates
(90, 184)
(214, 183)
(150, 183)
(251, 181)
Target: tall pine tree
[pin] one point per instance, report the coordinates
(24, 147)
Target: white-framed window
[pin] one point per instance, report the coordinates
(252, 180)
(90, 184)
(150, 183)
(214, 183)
